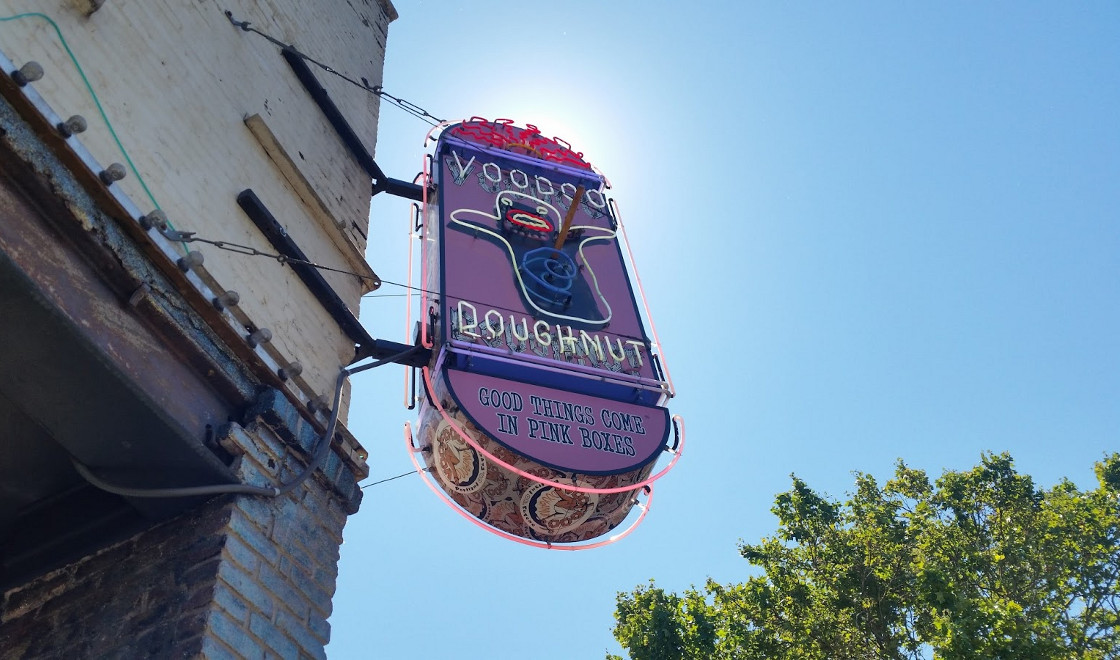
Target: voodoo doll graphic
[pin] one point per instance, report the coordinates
(551, 271)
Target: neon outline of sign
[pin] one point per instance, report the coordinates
(546, 364)
(657, 357)
(645, 303)
(556, 150)
(426, 173)
(676, 420)
(425, 340)
(413, 210)
(545, 545)
(567, 189)
(611, 234)
(537, 224)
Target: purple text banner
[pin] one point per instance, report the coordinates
(562, 429)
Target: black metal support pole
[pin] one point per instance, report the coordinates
(366, 346)
(381, 183)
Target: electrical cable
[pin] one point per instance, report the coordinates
(376, 90)
(415, 288)
(375, 483)
(93, 95)
(245, 250)
(184, 237)
(190, 491)
(317, 457)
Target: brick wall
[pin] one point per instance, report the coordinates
(179, 83)
(237, 577)
(148, 596)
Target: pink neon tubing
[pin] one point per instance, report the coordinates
(426, 174)
(439, 126)
(408, 289)
(412, 451)
(645, 303)
(541, 480)
(425, 341)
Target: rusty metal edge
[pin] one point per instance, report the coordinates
(161, 253)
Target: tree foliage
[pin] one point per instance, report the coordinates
(979, 564)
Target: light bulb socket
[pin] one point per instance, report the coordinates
(293, 369)
(190, 260)
(318, 404)
(156, 219)
(75, 124)
(227, 299)
(28, 73)
(259, 336)
(112, 174)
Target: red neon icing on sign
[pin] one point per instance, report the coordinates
(503, 134)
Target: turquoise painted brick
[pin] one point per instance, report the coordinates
(242, 554)
(233, 605)
(212, 649)
(320, 627)
(274, 409)
(278, 415)
(273, 636)
(300, 558)
(335, 516)
(348, 489)
(308, 437)
(255, 537)
(346, 480)
(251, 443)
(256, 511)
(309, 527)
(326, 573)
(249, 471)
(247, 587)
(301, 633)
(267, 444)
(319, 544)
(316, 594)
(332, 468)
(230, 632)
(285, 593)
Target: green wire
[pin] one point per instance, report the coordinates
(96, 101)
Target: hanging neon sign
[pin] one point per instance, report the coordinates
(545, 396)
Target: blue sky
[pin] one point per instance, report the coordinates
(867, 231)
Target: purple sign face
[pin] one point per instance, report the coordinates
(566, 430)
(524, 274)
(541, 343)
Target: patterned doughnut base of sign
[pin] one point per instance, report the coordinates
(511, 502)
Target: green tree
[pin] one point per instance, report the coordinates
(979, 564)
